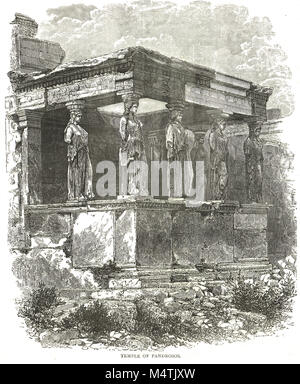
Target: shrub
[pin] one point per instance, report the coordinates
(38, 308)
(154, 322)
(89, 320)
(268, 297)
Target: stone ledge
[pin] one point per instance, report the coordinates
(133, 203)
(255, 208)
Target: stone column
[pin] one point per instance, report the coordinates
(217, 154)
(30, 126)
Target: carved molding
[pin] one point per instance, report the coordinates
(217, 99)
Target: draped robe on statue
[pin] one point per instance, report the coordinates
(80, 172)
(133, 149)
(179, 142)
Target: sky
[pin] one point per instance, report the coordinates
(282, 14)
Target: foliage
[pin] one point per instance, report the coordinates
(92, 319)
(38, 308)
(270, 296)
(154, 322)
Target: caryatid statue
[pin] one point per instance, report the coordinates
(132, 148)
(179, 144)
(253, 150)
(216, 143)
(80, 172)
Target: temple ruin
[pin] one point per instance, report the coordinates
(154, 242)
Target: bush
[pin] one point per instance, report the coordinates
(38, 308)
(90, 320)
(270, 297)
(154, 322)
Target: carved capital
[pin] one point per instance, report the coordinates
(217, 116)
(75, 106)
(131, 98)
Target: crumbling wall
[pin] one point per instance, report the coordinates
(29, 54)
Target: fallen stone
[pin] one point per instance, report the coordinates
(200, 322)
(200, 314)
(185, 316)
(97, 346)
(115, 335)
(197, 302)
(276, 271)
(160, 296)
(168, 300)
(132, 294)
(223, 325)
(136, 343)
(172, 307)
(78, 342)
(260, 333)
(251, 316)
(58, 337)
(276, 276)
(208, 305)
(214, 299)
(184, 295)
(200, 294)
(124, 283)
(106, 295)
(219, 290)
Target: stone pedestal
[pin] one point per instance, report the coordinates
(155, 243)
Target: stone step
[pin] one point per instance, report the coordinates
(245, 266)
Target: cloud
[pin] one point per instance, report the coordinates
(76, 11)
(225, 37)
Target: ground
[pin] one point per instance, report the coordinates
(227, 312)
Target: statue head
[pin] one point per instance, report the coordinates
(176, 115)
(176, 111)
(219, 123)
(76, 115)
(131, 104)
(75, 107)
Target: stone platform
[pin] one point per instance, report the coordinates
(152, 242)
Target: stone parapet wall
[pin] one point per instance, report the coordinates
(142, 237)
